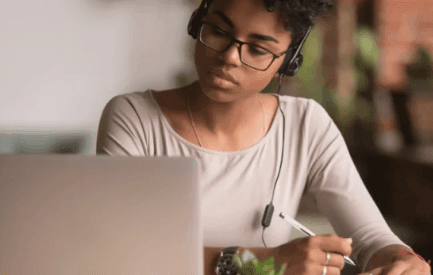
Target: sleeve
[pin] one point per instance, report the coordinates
(120, 131)
(338, 190)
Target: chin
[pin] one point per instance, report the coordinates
(214, 93)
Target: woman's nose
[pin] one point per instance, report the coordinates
(231, 55)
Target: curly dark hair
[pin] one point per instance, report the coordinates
(299, 15)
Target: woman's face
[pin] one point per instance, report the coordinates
(247, 21)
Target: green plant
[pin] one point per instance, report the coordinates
(309, 82)
(248, 264)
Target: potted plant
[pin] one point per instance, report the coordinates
(248, 264)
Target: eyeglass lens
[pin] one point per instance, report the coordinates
(219, 40)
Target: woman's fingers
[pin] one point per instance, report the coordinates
(336, 244)
(331, 270)
(314, 269)
(321, 246)
(336, 260)
(309, 255)
(320, 257)
(376, 271)
(332, 244)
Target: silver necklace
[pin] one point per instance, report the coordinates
(195, 131)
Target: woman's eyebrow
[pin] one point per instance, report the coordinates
(253, 35)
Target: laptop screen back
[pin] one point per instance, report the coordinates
(99, 215)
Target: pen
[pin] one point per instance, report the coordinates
(307, 232)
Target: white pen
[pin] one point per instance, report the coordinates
(307, 232)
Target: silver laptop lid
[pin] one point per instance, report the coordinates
(99, 215)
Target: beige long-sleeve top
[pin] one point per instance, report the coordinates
(236, 186)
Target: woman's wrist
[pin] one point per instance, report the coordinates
(408, 252)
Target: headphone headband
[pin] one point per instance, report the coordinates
(299, 46)
(196, 19)
(292, 63)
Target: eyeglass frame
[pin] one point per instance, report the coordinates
(241, 43)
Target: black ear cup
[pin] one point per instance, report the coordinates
(293, 62)
(194, 24)
(291, 68)
(291, 65)
(285, 66)
(296, 65)
(196, 19)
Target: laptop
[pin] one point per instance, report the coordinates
(82, 215)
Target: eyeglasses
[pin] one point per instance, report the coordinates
(251, 55)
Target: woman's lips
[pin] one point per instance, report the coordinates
(217, 79)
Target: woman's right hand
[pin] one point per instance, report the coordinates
(308, 255)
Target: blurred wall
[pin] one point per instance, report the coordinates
(61, 61)
(403, 113)
(402, 25)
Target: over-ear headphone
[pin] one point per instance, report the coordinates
(196, 19)
(292, 62)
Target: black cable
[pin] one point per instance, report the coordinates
(269, 210)
(282, 153)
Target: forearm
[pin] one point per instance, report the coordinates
(211, 255)
(385, 256)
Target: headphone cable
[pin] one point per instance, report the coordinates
(267, 217)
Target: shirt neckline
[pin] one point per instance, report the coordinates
(258, 144)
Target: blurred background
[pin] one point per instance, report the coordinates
(368, 62)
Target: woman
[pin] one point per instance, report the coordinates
(253, 148)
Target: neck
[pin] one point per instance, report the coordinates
(224, 118)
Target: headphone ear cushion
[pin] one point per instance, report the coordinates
(285, 66)
(194, 24)
(296, 65)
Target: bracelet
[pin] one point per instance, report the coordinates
(408, 252)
